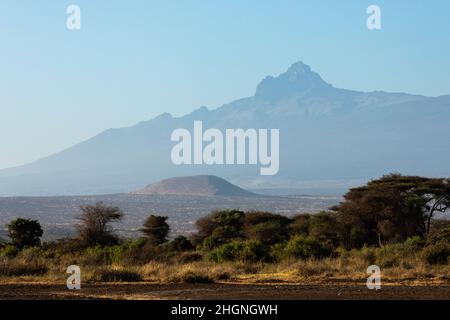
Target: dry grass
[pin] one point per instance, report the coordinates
(346, 267)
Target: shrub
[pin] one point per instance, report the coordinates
(266, 227)
(437, 253)
(439, 235)
(31, 254)
(9, 251)
(270, 232)
(277, 251)
(413, 244)
(322, 227)
(192, 277)
(97, 256)
(109, 275)
(219, 227)
(180, 244)
(301, 247)
(300, 225)
(368, 255)
(390, 255)
(240, 251)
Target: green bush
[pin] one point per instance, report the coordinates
(126, 253)
(239, 251)
(31, 254)
(9, 251)
(97, 256)
(277, 251)
(300, 225)
(368, 255)
(270, 232)
(389, 256)
(301, 247)
(180, 244)
(413, 244)
(437, 253)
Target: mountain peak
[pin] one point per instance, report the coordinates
(298, 79)
(299, 68)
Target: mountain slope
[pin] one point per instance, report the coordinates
(326, 133)
(195, 186)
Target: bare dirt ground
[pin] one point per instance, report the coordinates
(148, 291)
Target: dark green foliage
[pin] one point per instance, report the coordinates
(25, 233)
(323, 227)
(301, 247)
(252, 236)
(156, 230)
(267, 232)
(300, 225)
(180, 244)
(266, 227)
(245, 251)
(219, 228)
(391, 209)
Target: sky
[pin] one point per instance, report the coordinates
(133, 60)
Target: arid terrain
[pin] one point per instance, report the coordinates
(58, 214)
(225, 291)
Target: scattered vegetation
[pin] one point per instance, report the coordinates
(390, 222)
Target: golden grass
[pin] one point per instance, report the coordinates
(348, 267)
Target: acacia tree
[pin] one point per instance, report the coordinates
(391, 209)
(94, 227)
(25, 233)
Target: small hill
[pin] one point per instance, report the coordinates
(203, 185)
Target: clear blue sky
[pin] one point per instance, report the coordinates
(133, 60)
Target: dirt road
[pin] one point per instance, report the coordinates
(220, 291)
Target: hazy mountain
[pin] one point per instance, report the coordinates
(326, 133)
(195, 186)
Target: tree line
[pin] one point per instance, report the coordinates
(392, 209)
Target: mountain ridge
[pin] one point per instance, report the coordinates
(326, 133)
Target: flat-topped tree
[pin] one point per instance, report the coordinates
(391, 209)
